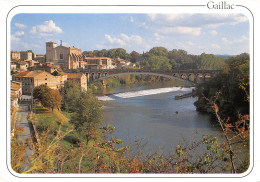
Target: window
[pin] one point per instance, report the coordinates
(61, 56)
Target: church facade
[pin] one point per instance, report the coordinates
(65, 57)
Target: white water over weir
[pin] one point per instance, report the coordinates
(132, 94)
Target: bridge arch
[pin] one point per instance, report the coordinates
(192, 77)
(145, 73)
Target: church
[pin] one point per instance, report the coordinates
(65, 57)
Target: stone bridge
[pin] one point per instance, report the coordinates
(192, 76)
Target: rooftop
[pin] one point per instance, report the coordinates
(98, 58)
(15, 86)
(74, 75)
(34, 73)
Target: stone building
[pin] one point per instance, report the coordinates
(65, 57)
(13, 65)
(79, 78)
(15, 55)
(31, 79)
(22, 55)
(26, 55)
(99, 63)
(16, 93)
(22, 65)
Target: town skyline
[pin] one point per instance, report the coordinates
(195, 33)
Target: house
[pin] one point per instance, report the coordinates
(22, 65)
(99, 62)
(49, 67)
(40, 58)
(79, 78)
(26, 55)
(15, 55)
(16, 93)
(13, 65)
(32, 79)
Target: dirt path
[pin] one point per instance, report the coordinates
(22, 114)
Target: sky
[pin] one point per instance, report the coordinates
(196, 33)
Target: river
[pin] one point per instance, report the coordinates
(150, 114)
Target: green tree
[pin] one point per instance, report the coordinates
(134, 55)
(72, 92)
(159, 51)
(230, 89)
(87, 117)
(157, 63)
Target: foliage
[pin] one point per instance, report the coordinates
(134, 55)
(48, 97)
(167, 60)
(72, 92)
(87, 116)
(180, 59)
(112, 53)
(157, 63)
(158, 51)
(231, 88)
(40, 92)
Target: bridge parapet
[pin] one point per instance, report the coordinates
(185, 75)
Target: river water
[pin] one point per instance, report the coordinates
(150, 114)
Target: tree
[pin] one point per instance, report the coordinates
(88, 116)
(52, 100)
(48, 97)
(232, 88)
(159, 51)
(72, 92)
(40, 92)
(157, 63)
(134, 55)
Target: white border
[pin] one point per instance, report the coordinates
(126, 9)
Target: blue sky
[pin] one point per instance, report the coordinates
(195, 33)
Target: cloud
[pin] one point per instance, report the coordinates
(181, 30)
(14, 38)
(213, 32)
(131, 19)
(242, 39)
(190, 43)
(224, 39)
(19, 25)
(189, 24)
(48, 28)
(195, 20)
(18, 44)
(123, 39)
(168, 17)
(215, 46)
(114, 40)
(19, 33)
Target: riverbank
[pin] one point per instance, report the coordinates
(186, 95)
